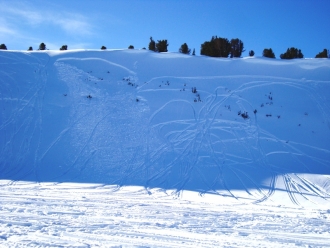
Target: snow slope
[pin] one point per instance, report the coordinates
(130, 118)
(235, 131)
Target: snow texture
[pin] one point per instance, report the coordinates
(131, 148)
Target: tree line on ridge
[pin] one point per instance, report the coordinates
(216, 47)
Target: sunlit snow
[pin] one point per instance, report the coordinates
(131, 148)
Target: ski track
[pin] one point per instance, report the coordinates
(177, 139)
(188, 142)
(197, 132)
(199, 128)
(40, 215)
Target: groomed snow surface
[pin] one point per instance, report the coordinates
(130, 148)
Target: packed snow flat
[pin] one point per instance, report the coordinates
(91, 215)
(141, 149)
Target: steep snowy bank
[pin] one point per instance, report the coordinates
(130, 117)
(139, 149)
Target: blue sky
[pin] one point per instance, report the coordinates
(89, 24)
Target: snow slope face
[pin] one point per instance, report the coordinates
(171, 121)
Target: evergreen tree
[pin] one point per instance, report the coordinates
(251, 53)
(30, 48)
(216, 47)
(268, 53)
(3, 47)
(64, 47)
(161, 46)
(193, 53)
(236, 48)
(103, 48)
(42, 46)
(184, 49)
(324, 54)
(221, 46)
(292, 53)
(131, 47)
(207, 49)
(152, 45)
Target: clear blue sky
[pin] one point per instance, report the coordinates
(276, 24)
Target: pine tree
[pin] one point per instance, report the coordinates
(30, 48)
(324, 54)
(161, 46)
(237, 47)
(292, 53)
(3, 47)
(131, 47)
(152, 45)
(207, 49)
(221, 47)
(216, 47)
(184, 49)
(268, 53)
(42, 46)
(103, 48)
(64, 47)
(193, 53)
(251, 53)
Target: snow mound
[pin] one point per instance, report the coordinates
(249, 128)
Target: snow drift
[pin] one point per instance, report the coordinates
(172, 121)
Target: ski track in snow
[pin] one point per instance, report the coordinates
(104, 119)
(197, 131)
(40, 215)
(205, 137)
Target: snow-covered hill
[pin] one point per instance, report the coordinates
(131, 118)
(249, 130)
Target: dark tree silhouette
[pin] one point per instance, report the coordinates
(30, 48)
(64, 47)
(184, 49)
(324, 54)
(268, 53)
(103, 48)
(251, 53)
(236, 48)
(216, 47)
(161, 46)
(131, 47)
(3, 47)
(152, 45)
(42, 46)
(207, 49)
(193, 53)
(292, 53)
